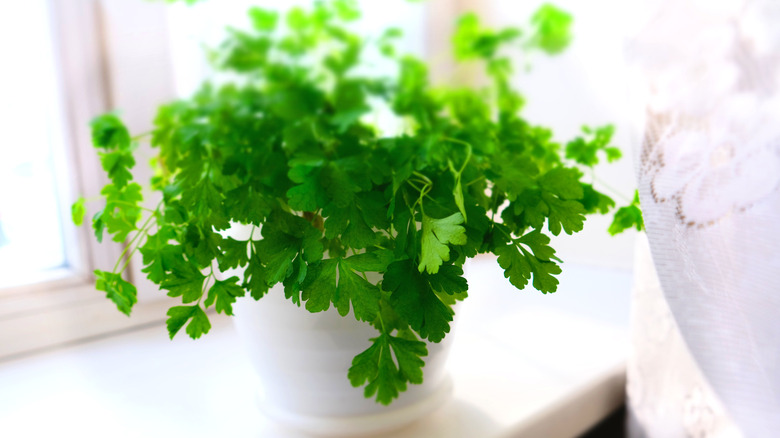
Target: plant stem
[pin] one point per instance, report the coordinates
(610, 188)
(142, 231)
(140, 136)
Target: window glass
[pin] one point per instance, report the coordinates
(31, 226)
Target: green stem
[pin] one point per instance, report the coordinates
(422, 177)
(206, 283)
(130, 204)
(382, 321)
(475, 180)
(140, 136)
(509, 235)
(468, 151)
(610, 188)
(142, 231)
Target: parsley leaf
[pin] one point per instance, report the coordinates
(585, 151)
(628, 217)
(552, 31)
(413, 298)
(122, 293)
(179, 316)
(185, 281)
(436, 234)
(224, 293)
(387, 366)
(108, 132)
(78, 210)
(520, 265)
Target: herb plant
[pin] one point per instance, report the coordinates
(286, 147)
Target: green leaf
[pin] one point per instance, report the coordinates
(566, 214)
(409, 356)
(384, 375)
(295, 281)
(449, 280)
(78, 211)
(122, 293)
(415, 301)
(307, 196)
(186, 281)
(262, 19)
(256, 277)
(516, 267)
(234, 254)
(520, 266)
(224, 293)
(358, 234)
(179, 316)
(627, 217)
(277, 251)
(117, 165)
(347, 10)
(161, 257)
(108, 132)
(539, 245)
(552, 29)
(121, 213)
(472, 41)
(298, 19)
(320, 286)
(585, 151)
(514, 174)
(594, 201)
(246, 52)
(436, 234)
(374, 261)
(563, 182)
(352, 288)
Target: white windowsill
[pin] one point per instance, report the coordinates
(523, 364)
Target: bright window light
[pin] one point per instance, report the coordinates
(31, 229)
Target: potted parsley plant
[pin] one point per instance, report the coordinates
(337, 214)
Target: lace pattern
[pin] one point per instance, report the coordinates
(709, 181)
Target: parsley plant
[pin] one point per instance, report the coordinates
(286, 148)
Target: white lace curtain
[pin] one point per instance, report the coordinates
(706, 358)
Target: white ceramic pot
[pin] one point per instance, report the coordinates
(302, 360)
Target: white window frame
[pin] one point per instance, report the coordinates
(65, 307)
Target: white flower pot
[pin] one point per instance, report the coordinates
(302, 361)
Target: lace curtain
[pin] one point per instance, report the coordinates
(706, 341)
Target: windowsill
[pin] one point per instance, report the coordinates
(523, 364)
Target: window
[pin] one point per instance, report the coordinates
(52, 85)
(33, 237)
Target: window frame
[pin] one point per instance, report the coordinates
(64, 306)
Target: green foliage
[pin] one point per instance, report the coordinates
(122, 293)
(193, 316)
(436, 235)
(552, 29)
(585, 150)
(627, 217)
(387, 366)
(376, 225)
(78, 210)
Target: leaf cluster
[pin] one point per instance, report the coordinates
(375, 224)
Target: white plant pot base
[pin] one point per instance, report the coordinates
(302, 360)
